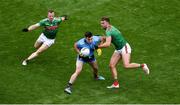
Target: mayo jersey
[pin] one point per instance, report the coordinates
(50, 28)
(116, 37)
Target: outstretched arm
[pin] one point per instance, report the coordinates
(64, 17)
(107, 43)
(32, 27)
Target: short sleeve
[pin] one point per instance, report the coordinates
(96, 39)
(78, 44)
(42, 22)
(59, 19)
(108, 33)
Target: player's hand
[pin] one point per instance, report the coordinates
(81, 55)
(65, 17)
(99, 52)
(25, 30)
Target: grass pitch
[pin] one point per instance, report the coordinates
(150, 26)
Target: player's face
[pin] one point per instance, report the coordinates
(89, 39)
(104, 24)
(50, 16)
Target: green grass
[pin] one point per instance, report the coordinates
(150, 26)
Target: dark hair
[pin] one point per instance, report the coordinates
(50, 11)
(88, 34)
(105, 19)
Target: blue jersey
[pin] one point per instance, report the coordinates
(83, 43)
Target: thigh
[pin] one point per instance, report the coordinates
(93, 65)
(42, 48)
(126, 54)
(79, 65)
(126, 58)
(115, 58)
(37, 44)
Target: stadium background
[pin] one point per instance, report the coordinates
(152, 27)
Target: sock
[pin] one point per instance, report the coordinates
(69, 85)
(142, 65)
(116, 82)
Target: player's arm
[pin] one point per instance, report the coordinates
(107, 43)
(76, 48)
(32, 27)
(103, 39)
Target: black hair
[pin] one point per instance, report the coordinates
(88, 34)
(105, 19)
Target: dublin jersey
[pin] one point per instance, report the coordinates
(116, 37)
(50, 28)
(83, 43)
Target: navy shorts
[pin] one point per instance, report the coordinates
(86, 59)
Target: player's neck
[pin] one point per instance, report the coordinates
(108, 27)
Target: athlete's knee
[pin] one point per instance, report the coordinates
(77, 72)
(36, 46)
(111, 66)
(126, 66)
(37, 52)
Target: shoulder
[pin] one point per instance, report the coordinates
(96, 37)
(80, 42)
(109, 31)
(43, 20)
(58, 19)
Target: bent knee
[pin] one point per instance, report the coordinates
(37, 52)
(77, 72)
(126, 66)
(36, 47)
(112, 66)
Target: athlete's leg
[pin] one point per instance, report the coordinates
(113, 62)
(38, 51)
(35, 54)
(40, 41)
(95, 68)
(79, 65)
(126, 62)
(37, 44)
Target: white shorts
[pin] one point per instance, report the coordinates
(126, 49)
(43, 39)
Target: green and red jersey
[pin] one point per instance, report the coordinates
(50, 27)
(116, 37)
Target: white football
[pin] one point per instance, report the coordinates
(85, 51)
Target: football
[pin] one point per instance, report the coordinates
(85, 51)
